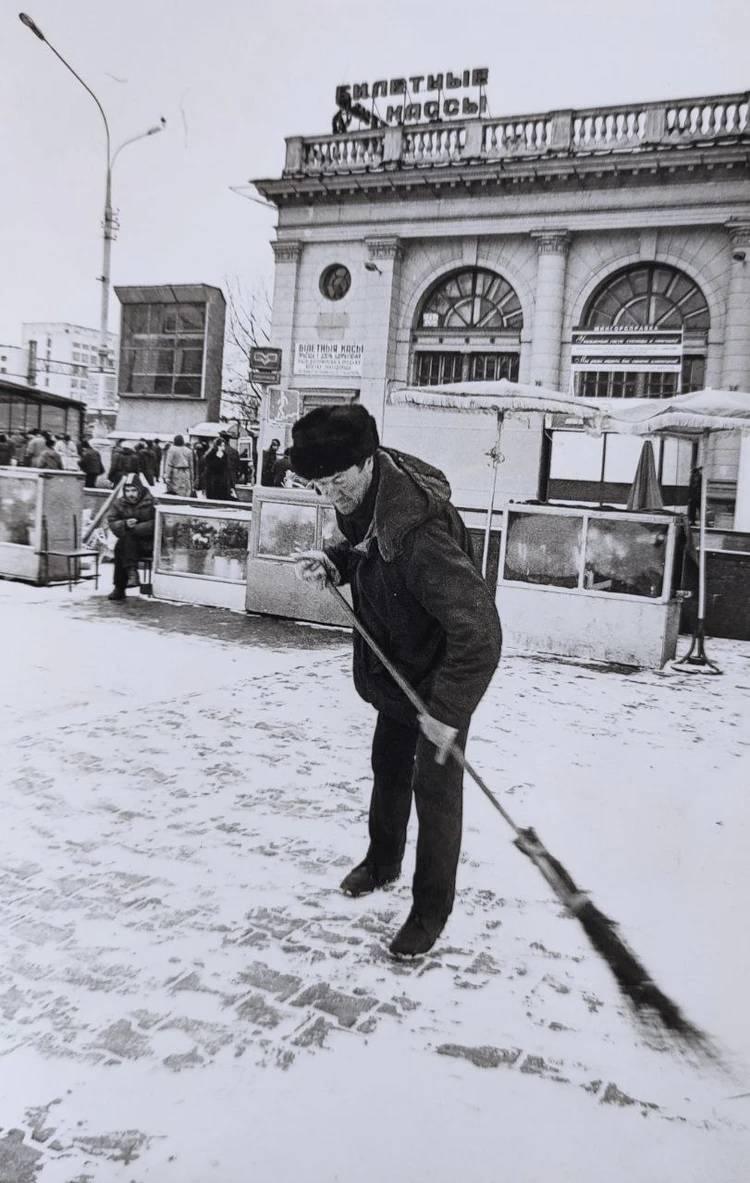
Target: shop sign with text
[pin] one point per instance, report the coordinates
(330, 359)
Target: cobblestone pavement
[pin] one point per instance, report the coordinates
(169, 905)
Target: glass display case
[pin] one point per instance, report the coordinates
(200, 551)
(286, 521)
(39, 509)
(19, 502)
(593, 583)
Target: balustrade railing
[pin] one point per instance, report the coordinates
(625, 128)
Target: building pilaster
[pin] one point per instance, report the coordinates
(383, 269)
(736, 368)
(546, 344)
(728, 454)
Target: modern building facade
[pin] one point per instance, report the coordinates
(60, 355)
(604, 251)
(171, 351)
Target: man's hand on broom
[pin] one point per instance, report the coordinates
(439, 734)
(314, 566)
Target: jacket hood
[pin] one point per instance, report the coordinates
(143, 494)
(410, 492)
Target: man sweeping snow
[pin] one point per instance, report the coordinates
(407, 557)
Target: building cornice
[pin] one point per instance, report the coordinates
(592, 172)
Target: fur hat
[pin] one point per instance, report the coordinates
(332, 439)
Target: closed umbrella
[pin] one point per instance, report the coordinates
(645, 493)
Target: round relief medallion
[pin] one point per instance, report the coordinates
(335, 281)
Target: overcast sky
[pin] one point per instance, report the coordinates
(234, 77)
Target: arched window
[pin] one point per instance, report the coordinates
(467, 329)
(650, 296)
(643, 335)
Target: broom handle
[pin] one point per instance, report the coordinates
(418, 705)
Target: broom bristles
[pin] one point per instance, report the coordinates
(634, 980)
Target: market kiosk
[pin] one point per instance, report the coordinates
(286, 521)
(588, 583)
(200, 551)
(40, 513)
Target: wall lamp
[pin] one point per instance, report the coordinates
(738, 256)
(373, 267)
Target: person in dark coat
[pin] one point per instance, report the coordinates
(49, 457)
(6, 451)
(131, 520)
(268, 463)
(415, 586)
(218, 484)
(235, 464)
(90, 464)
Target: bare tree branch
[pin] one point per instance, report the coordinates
(248, 326)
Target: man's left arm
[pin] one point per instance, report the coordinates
(445, 581)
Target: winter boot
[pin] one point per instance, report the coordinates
(117, 594)
(363, 879)
(415, 936)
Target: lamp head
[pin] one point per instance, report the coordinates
(370, 266)
(26, 20)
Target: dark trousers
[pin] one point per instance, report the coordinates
(89, 480)
(403, 764)
(128, 550)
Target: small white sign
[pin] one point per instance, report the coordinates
(329, 359)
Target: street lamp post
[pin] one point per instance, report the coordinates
(109, 224)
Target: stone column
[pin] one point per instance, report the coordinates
(383, 269)
(728, 455)
(546, 344)
(286, 254)
(736, 368)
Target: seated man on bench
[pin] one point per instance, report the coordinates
(131, 520)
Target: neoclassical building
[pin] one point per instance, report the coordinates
(604, 251)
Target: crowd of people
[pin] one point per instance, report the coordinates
(43, 449)
(201, 468)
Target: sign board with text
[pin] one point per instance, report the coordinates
(328, 359)
(265, 364)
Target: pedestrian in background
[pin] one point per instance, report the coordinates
(415, 585)
(36, 445)
(90, 464)
(217, 473)
(68, 453)
(234, 462)
(270, 456)
(49, 457)
(6, 451)
(179, 475)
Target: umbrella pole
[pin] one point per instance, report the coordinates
(695, 659)
(495, 454)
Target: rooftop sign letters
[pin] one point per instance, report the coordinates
(421, 98)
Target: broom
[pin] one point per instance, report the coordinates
(649, 1004)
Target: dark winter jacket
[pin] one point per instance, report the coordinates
(90, 462)
(144, 512)
(217, 475)
(126, 460)
(416, 588)
(49, 458)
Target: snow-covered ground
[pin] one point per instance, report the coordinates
(185, 997)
